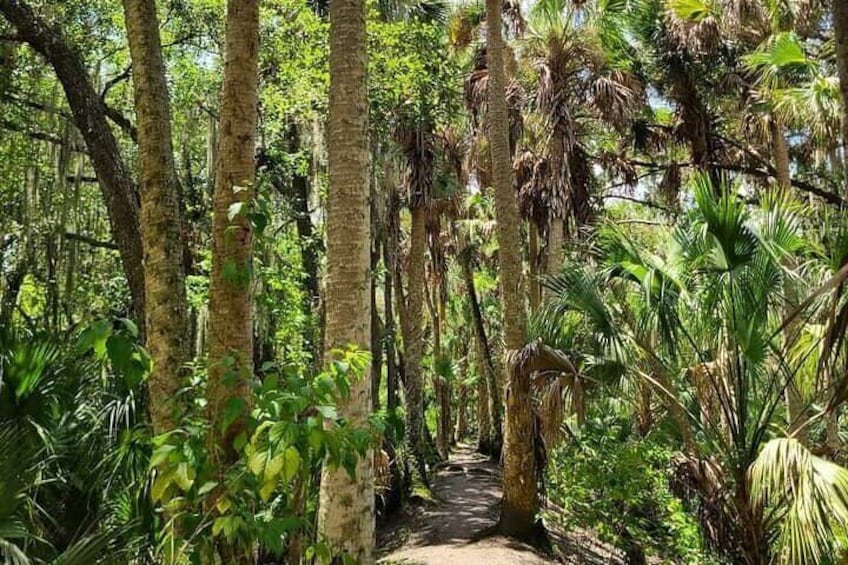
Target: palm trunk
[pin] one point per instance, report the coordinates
(346, 508)
(413, 341)
(795, 408)
(162, 238)
(533, 252)
(389, 338)
(520, 500)
(439, 382)
(484, 419)
(230, 294)
(556, 241)
(840, 32)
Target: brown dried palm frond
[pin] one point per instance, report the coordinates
(581, 180)
(649, 138)
(530, 176)
(475, 88)
(515, 103)
(418, 147)
(617, 96)
(669, 187)
(536, 357)
(554, 399)
(694, 37)
(513, 18)
(454, 147)
(618, 166)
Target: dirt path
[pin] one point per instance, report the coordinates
(467, 492)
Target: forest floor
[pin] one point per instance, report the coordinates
(448, 531)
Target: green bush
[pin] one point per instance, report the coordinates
(616, 484)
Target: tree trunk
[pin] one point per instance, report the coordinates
(376, 328)
(230, 294)
(413, 341)
(556, 241)
(389, 338)
(309, 248)
(89, 115)
(520, 501)
(840, 32)
(461, 429)
(795, 409)
(346, 509)
(494, 437)
(535, 292)
(166, 308)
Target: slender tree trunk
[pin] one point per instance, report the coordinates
(346, 508)
(89, 115)
(376, 328)
(556, 241)
(493, 436)
(520, 501)
(535, 293)
(794, 400)
(413, 341)
(230, 294)
(461, 429)
(309, 248)
(389, 330)
(166, 308)
(840, 32)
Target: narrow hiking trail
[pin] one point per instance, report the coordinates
(467, 492)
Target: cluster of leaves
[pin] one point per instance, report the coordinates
(264, 496)
(73, 475)
(617, 484)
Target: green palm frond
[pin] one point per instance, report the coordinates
(808, 498)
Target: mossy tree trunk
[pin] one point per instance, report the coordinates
(161, 223)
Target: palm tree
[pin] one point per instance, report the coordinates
(161, 224)
(346, 507)
(580, 84)
(709, 307)
(520, 500)
(417, 143)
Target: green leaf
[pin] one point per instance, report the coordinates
(207, 487)
(291, 464)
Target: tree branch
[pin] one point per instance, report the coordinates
(91, 241)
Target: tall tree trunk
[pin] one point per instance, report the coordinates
(413, 341)
(389, 331)
(535, 292)
(794, 399)
(230, 294)
(556, 241)
(484, 422)
(166, 307)
(494, 435)
(520, 501)
(461, 429)
(840, 32)
(89, 115)
(376, 327)
(309, 248)
(346, 509)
